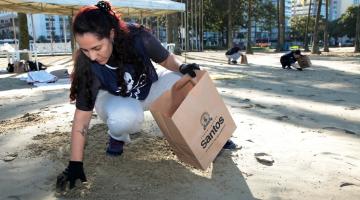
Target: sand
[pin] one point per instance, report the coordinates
(307, 123)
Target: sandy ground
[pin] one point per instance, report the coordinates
(308, 122)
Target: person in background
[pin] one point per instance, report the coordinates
(289, 59)
(114, 75)
(233, 55)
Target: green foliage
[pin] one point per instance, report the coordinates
(215, 14)
(347, 21)
(335, 28)
(345, 25)
(267, 15)
(298, 26)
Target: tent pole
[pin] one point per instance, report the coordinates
(14, 29)
(51, 18)
(166, 27)
(64, 31)
(141, 18)
(202, 26)
(157, 28)
(196, 25)
(181, 27)
(186, 28)
(34, 40)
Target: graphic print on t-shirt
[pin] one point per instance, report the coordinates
(133, 89)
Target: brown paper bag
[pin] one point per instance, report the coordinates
(20, 67)
(304, 61)
(243, 59)
(194, 119)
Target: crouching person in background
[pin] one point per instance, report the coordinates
(233, 55)
(289, 59)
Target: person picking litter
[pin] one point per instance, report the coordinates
(113, 73)
(289, 59)
(233, 55)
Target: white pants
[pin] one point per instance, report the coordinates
(124, 115)
(234, 56)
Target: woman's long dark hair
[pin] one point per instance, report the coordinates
(100, 21)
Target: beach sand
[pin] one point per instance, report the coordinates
(307, 121)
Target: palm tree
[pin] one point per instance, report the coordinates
(326, 34)
(315, 45)
(229, 25)
(281, 27)
(248, 46)
(24, 35)
(307, 29)
(172, 31)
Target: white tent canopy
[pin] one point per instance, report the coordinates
(141, 8)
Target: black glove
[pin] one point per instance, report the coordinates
(73, 171)
(189, 69)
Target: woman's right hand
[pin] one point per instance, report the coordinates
(73, 172)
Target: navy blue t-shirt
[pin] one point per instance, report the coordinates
(138, 87)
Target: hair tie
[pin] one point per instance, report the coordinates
(104, 6)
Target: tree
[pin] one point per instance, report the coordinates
(315, 45)
(218, 16)
(307, 29)
(300, 25)
(357, 38)
(24, 35)
(229, 25)
(172, 31)
(281, 27)
(347, 22)
(335, 30)
(326, 34)
(248, 44)
(267, 17)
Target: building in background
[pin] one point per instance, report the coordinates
(48, 28)
(336, 7)
(301, 7)
(8, 23)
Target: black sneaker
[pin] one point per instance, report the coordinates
(229, 145)
(115, 147)
(234, 62)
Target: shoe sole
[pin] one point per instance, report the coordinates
(112, 153)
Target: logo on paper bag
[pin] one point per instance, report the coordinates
(205, 120)
(211, 132)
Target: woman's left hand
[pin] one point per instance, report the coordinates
(189, 69)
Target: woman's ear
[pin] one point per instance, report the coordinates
(112, 35)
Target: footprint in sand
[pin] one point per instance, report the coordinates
(347, 184)
(244, 101)
(282, 118)
(349, 108)
(340, 129)
(247, 106)
(14, 197)
(260, 106)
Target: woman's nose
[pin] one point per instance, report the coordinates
(92, 55)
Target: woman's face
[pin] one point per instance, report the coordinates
(96, 49)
